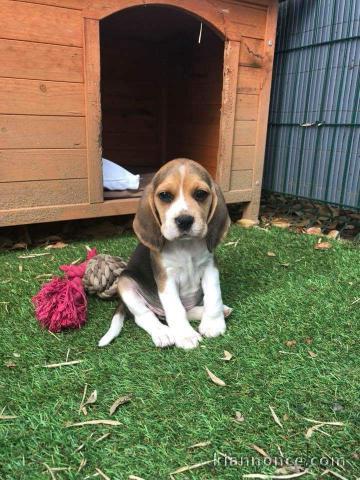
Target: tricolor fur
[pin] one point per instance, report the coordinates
(172, 273)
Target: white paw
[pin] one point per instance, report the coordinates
(212, 327)
(163, 337)
(227, 311)
(187, 339)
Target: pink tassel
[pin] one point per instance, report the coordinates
(61, 303)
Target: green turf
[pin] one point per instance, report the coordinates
(175, 405)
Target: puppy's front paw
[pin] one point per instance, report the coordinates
(212, 327)
(187, 339)
(163, 337)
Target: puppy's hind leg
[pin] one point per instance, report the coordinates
(116, 326)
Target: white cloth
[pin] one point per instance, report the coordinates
(117, 178)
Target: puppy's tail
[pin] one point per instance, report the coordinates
(116, 326)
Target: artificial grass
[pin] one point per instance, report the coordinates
(300, 294)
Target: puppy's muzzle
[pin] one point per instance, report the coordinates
(184, 222)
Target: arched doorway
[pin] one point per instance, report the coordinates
(161, 88)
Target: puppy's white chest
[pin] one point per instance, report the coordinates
(185, 261)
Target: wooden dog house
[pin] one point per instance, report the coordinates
(138, 82)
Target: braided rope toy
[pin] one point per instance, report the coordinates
(62, 303)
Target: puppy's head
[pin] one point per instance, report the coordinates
(181, 202)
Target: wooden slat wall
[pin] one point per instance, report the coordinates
(42, 108)
(250, 77)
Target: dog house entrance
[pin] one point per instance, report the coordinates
(161, 86)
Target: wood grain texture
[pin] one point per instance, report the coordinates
(250, 80)
(40, 23)
(246, 107)
(22, 216)
(252, 52)
(38, 97)
(40, 61)
(236, 196)
(29, 131)
(39, 193)
(251, 210)
(241, 179)
(228, 105)
(245, 132)
(243, 157)
(93, 110)
(33, 164)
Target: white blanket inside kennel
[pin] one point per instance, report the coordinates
(118, 178)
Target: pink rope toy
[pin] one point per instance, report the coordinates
(62, 303)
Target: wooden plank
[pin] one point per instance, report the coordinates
(251, 211)
(231, 62)
(22, 216)
(245, 132)
(38, 97)
(29, 131)
(246, 107)
(249, 21)
(40, 23)
(40, 61)
(75, 4)
(241, 179)
(236, 196)
(250, 80)
(34, 164)
(93, 110)
(243, 157)
(40, 193)
(252, 52)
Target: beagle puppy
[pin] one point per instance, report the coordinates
(172, 274)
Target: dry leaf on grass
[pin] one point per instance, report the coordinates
(322, 246)
(227, 356)
(313, 231)
(102, 474)
(312, 354)
(261, 451)
(10, 364)
(56, 245)
(82, 465)
(21, 267)
(315, 428)
(8, 417)
(62, 364)
(187, 468)
(91, 399)
(200, 444)
(100, 439)
(33, 255)
(275, 417)
(244, 222)
(120, 401)
(280, 223)
(134, 477)
(271, 254)
(290, 343)
(335, 474)
(215, 379)
(308, 340)
(239, 417)
(334, 234)
(94, 422)
(16, 355)
(262, 476)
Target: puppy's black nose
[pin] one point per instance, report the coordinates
(184, 222)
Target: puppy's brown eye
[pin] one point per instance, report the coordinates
(166, 197)
(200, 195)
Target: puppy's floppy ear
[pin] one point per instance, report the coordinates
(146, 222)
(219, 220)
